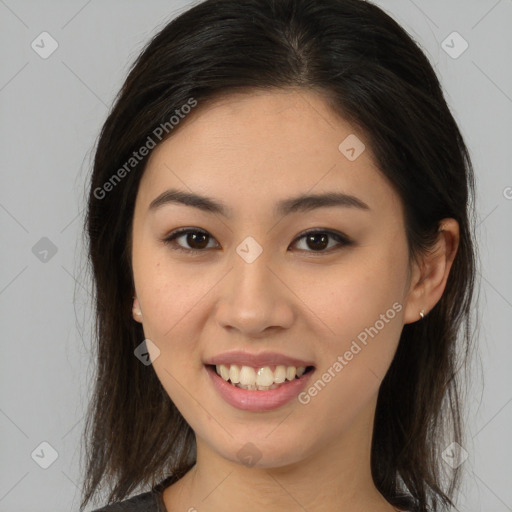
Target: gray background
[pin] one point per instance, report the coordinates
(51, 111)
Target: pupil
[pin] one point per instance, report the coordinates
(314, 239)
(192, 239)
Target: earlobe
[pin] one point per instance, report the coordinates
(136, 311)
(428, 284)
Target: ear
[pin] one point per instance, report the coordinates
(431, 272)
(136, 311)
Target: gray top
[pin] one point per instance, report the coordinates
(151, 501)
(147, 502)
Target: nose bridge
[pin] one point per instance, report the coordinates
(252, 276)
(253, 299)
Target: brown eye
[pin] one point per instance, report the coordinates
(318, 241)
(197, 240)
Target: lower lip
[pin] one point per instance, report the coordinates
(254, 400)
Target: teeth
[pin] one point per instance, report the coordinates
(247, 376)
(234, 374)
(265, 377)
(280, 374)
(224, 371)
(262, 379)
(291, 371)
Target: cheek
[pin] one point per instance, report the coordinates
(351, 296)
(360, 308)
(169, 293)
(173, 318)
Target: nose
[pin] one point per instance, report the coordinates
(254, 298)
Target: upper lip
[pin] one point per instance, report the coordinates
(256, 360)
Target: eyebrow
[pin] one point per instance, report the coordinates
(301, 203)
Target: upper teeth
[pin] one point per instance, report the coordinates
(264, 376)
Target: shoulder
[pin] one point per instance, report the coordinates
(151, 501)
(146, 502)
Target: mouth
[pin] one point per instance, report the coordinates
(262, 378)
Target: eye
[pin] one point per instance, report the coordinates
(318, 240)
(197, 240)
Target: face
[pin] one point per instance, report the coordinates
(264, 280)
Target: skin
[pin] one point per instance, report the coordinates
(250, 151)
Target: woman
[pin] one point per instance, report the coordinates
(279, 233)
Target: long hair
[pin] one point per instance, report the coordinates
(373, 74)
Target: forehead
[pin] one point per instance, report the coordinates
(262, 146)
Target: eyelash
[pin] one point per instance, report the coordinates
(339, 237)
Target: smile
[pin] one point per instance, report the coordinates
(262, 378)
(254, 397)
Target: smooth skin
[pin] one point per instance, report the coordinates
(249, 151)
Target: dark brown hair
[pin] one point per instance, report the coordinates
(371, 73)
